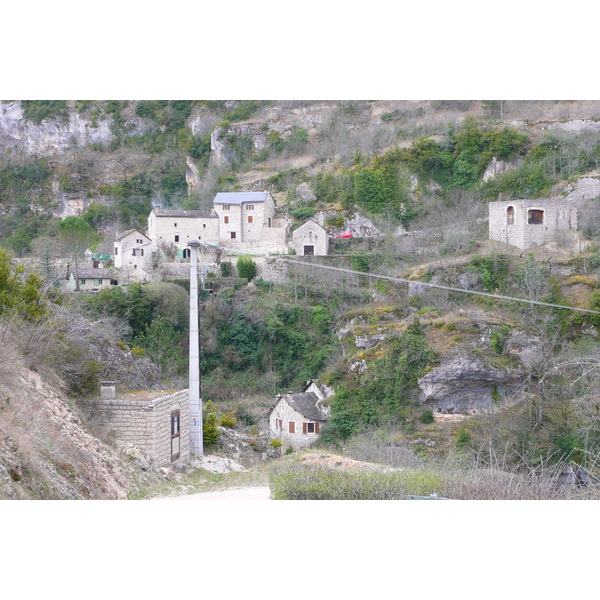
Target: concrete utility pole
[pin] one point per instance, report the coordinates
(196, 445)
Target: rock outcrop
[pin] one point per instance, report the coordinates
(464, 384)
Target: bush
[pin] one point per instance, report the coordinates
(226, 269)
(229, 419)
(210, 419)
(246, 268)
(317, 483)
(276, 443)
(427, 417)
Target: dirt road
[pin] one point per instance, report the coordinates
(244, 493)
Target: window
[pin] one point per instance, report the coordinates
(174, 224)
(249, 206)
(175, 434)
(250, 220)
(116, 251)
(225, 206)
(535, 217)
(139, 242)
(176, 238)
(82, 282)
(186, 253)
(225, 219)
(97, 281)
(292, 427)
(310, 428)
(204, 225)
(510, 215)
(232, 233)
(140, 251)
(278, 424)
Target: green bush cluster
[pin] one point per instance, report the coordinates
(246, 268)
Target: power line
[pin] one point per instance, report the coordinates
(443, 287)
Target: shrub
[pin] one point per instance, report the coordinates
(427, 417)
(226, 269)
(276, 443)
(317, 483)
(498, 338)
(228, 419)
(246, 268)
(210, 433)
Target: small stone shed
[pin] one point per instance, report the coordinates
(297, 419)
(310, 239)
(155, 422)
(528, 223)
(92, 280)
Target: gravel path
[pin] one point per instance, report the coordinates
(244, 493)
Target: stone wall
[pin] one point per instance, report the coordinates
(145, 423)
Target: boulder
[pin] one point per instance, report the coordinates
(464, 384)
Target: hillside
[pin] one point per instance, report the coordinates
(434, 373)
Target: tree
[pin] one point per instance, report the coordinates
(246, 267)
(76, 236)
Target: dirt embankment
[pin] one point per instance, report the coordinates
(46, 450)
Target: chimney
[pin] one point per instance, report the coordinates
(107, 390)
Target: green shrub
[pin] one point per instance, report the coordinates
(499, 338)
(210, 419)
(228, 419)
(226, 269)
(427, 417)
(276, 443)
(246, 268)
(463, 438)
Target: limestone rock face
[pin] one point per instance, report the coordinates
(50, 136)
(497, 167)
(464, 384)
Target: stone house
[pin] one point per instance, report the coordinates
(310, 239)
(527, 223)
(92, 280)
(297, 419)
(133, 254)
(155, 422)
(175, 228)
(247, 221)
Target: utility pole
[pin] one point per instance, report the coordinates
(196, 445)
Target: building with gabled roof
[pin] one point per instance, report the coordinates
(310, 239)
(297, 419)
(133, 255)
(239, 221)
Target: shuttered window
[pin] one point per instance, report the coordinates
(292, 427)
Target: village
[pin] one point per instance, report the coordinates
(243, 223)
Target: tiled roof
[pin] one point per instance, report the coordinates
(126, 233)
(94, 274)
(305, 404)
(193, 214)
(239, 197)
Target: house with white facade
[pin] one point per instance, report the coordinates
(528, 223)
(171, 230)
(247, 221)
(133, 255)
(297, 419)
(310, 239)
